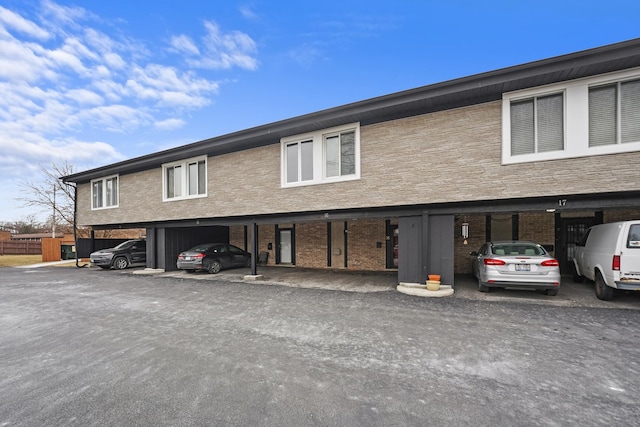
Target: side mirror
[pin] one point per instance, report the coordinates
(473, 253)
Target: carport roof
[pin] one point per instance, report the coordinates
(470, 90)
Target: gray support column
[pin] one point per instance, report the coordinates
(410, 249)
(440, 247)
(425, 246)
(151, 248)
(254, 249)
(160, 248)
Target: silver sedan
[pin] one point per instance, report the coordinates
(516, 264)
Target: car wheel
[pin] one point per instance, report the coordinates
(214, 267)
(481, 287)
(603, 291)
(575, 276)
(551, 292)
(120, 263)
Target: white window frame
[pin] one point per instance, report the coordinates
(319, 156)
(617, 85)
(184, 179)
(104, 199)
(576, 119)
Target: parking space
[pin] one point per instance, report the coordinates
(571, 294)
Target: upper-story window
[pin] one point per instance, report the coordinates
(576, 118)
(299, 159)
(185, 179)
(614, 113)
(104, 193)
(328, 155)
(537, 124)
(340, 153)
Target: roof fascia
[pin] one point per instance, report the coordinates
(376, 109)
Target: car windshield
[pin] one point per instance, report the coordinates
(125, 245)
(513, 249)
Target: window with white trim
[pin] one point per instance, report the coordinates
(537, 124)
(584, 117)
(104, 193)
(184, 179)
(340, 154)
(324, 156)
(614, 113)
(299, 161)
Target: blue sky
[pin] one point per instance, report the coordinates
(95, 82)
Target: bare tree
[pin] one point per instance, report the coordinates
(50, 195)
(24, 226)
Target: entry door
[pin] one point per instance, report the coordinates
(392, 245)
(286, 247)
(570, 231)
(338, 244)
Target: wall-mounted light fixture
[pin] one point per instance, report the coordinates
(465, 232)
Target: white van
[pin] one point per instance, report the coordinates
(609, 254)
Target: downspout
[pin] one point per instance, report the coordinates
(75, 233)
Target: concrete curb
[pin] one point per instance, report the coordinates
(422, 291)
(47, 264)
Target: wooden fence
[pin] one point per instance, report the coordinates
(56, 249)
(16, 247)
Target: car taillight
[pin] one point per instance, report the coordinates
(197, 256)
(550, 263)
(180, 256)
(615, 263)
(492, 261)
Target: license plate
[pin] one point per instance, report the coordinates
(187, 258)
(523, 267)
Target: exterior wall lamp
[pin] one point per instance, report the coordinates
(465, 232)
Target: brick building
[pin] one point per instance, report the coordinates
(538, 151)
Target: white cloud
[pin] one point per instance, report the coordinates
(69, 16)
(169, 124)
(225, 50)
(18, 61)
(115, 118)
(184, 44)
(24, 26)
(85, 97)
(167, 87)
(113, 60)
(62, 78)
(33, 150)
(247, 12)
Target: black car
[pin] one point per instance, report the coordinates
(213, 257)
(126, 254)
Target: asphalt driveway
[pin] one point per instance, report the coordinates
(86, 347)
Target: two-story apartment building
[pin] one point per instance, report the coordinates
(410, 181)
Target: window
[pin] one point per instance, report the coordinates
(614, 113)
(591, 116)
(537, 125)
(633, 240)
(299, 160)
(340, 154)
(185, 179)
(104, 193)
(324, 156)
